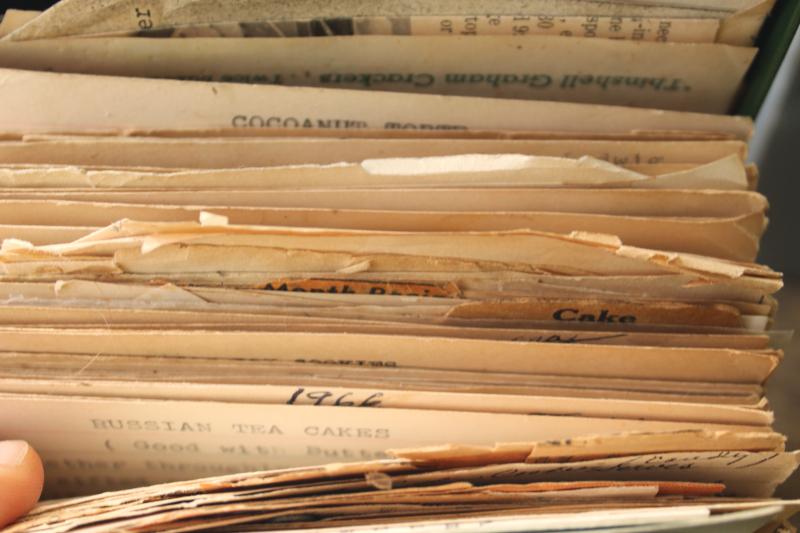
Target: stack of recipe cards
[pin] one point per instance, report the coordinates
(689, 55)
(202, 278)
(576, 485)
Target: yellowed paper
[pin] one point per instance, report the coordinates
(731, 366)
(252, 152)
(592, 447)
(14, 19)
(236, 377)
(124, 16)
(759, 473)
(594, 71)
(734, 238)
(475, 170)
(96, 316)
(479, 198)
(167, 104)
(327, 394)
(646, 29)
(242, 437)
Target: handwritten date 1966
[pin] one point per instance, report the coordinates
(301, 396)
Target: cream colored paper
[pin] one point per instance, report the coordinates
(594, 71)
(303, 393)
(167, 104)
(125, 16)
(605, 253)
(252, 152)
(95, 316)
(659, 203)
(644, 29)
(118, 436)
(734, 238)
(733, 366)
(228, 374)
(475, 170)
(14, 19)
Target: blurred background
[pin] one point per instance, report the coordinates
(776, 149)
(26, 4)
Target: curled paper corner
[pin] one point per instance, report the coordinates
(379, 480)
(698, 282)
(151, 244)
(604, 239)
(659, 257)
(643, 253)
(361, 266)
(476, 162)
(337, 469)
(13, 245)
(59, 285)
(211, 219)
(114, 230)
(588, 161)
(169, 292)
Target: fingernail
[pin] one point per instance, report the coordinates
(13, 452)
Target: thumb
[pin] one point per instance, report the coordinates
(21, 480)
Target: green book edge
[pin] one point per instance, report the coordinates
(773, 43)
